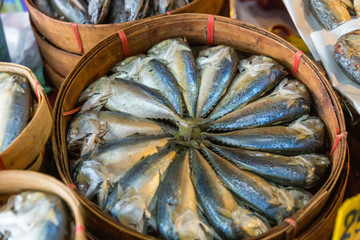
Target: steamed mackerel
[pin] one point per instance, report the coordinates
(136, 9)
(301, 171)
(98, 10)
(152, 73)
(71, 12)
(130, 200)
(162, 6)
(128, 97)
(217, 66)
(287, 103)
(330, 13)
(257, 75)
(117, 13)
(305, 135)
(177, 56)
(90, 129)
(34, 215)
(229, 219)
(177, 207)
(15, 100)
(121, 155)
(275, 203)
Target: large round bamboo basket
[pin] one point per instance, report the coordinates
(59, 60)
(244, 37)
(55, 78)
(21, 153)
(61, 34)
(15, 181)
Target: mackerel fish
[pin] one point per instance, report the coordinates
(117, 13)
(98, 10)
(257, 75)
(71, 11)
(288, 102)
(217, 66)
(330, 13)
(128, 97)
(15, 104)
(136, 9)
(229, 219)
(305, 135)
(90, 129)
(177, 56)
(120, 155)
(303, 171)
(152, 73)
(162, 6)
(130, 200)
(177, 211)
(34, 216)
(275, 203)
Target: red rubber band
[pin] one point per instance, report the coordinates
(296, 62)
(292, 223)
(124, 42)
(36, 90)
(79, 228)
(168, 13)
(71, 186)
(71, 112)
(78, 38)
(339, 136)
(210, 30)
(2, 164)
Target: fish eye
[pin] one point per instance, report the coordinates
(82, 186)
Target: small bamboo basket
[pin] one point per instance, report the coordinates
(15, 181)
(20, 154)
(194, 27)
(55, 78)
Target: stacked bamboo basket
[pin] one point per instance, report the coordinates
(60, 48)
(27, 150)
(18, 181)
(243, 37)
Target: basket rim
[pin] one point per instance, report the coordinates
(323, 192)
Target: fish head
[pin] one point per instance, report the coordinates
(250, 223)
(167, 49)
(96, 93)
(129, 68)
(88, 177)
(132, 212)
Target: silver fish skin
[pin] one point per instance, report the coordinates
(130, 200)
(305, 135)
(34, 216)
(46, 7)
(153, 74)
(228, 218)
(330, 13)
(179, 3)
(70, 13)
(90, 129)
(128, 97)
(177, 56)
(347, 54)
(217, 66)
(176, 206)
(117, 13)
(136, 9)
(15, 101)
(98, 10)
(273, 202)
(303, 171)
(121, 155)
(287, 103)
(258, 74)
(162, 6)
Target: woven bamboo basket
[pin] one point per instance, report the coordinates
(193, 27)
(36, 165)
(33, 138)
(61, 34)
(15, 181)
(55, 78)
(59, 60)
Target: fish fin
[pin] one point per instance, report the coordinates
(103, 193)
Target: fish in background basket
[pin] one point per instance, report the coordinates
(106, 11)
